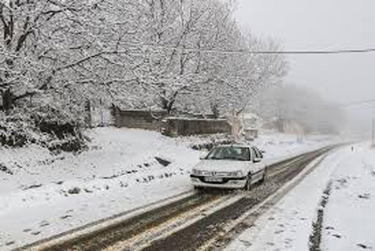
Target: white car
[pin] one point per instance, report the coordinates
(230, 166)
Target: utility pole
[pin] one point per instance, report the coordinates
(373, 133)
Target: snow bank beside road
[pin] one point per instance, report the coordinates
(349, 219)
(44, 194)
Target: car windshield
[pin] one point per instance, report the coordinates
(230, 153)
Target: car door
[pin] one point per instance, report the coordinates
(258, 165)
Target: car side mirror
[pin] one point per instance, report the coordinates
(257, 160)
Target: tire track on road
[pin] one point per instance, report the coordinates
(196, 227)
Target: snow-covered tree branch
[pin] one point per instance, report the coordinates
(173, 55)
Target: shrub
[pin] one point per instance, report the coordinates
(48, 126)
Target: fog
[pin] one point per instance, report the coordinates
(323, 25)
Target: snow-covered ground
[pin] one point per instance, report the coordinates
(42, 194)
(348, 219)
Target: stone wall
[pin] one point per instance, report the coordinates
(139, 119)
(158, 121)
(184, 127)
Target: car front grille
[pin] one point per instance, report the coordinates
(225, 180)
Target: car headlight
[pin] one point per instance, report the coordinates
(197, 172)
(236, 174)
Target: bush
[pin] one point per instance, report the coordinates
(16, 130)
(71, 144)
(48, 126)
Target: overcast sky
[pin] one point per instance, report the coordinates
(321, 25)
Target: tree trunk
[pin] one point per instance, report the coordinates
(8, 100)
(168, 104)
(236, 126)
(88, 114)
(215, 110)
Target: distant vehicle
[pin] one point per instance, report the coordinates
(230, 166)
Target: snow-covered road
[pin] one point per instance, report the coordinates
(49, 194)
(348, 218)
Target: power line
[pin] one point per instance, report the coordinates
(321, 52)
(292, 52)
(357, 103)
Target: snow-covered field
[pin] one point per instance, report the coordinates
(348, 218)
(43, 194)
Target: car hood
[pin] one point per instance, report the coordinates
(222, 165)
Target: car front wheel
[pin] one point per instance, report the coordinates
(248, 183)
(264, 175)
(198, 189)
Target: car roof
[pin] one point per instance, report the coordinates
(234, 145)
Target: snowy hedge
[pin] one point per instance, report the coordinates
(48, 126)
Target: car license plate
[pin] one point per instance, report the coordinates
(213, 179)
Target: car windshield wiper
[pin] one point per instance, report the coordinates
(215, 158)
(235, 158)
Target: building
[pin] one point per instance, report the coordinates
(251, 125)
